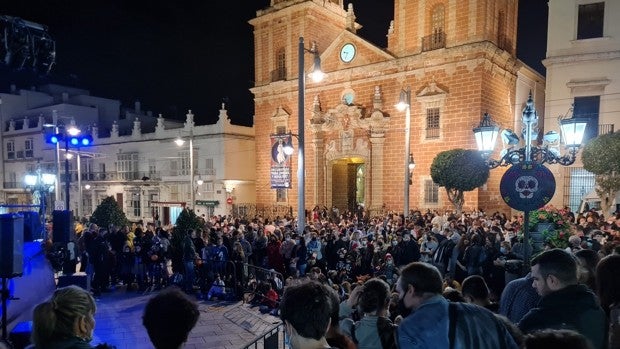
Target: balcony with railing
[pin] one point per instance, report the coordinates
(434, 41)
(605, 129)
(111, 176)
(206, 174)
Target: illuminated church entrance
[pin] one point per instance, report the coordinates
(348, 183)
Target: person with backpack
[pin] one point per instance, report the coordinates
(437, 324)
(374, 329)
(443, 252)
(475, 256)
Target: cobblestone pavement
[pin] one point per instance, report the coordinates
(228, 325)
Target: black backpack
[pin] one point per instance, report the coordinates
(443, 252)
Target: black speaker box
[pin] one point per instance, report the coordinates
(62, 226)
(32, 226)
(11, 245)
(78, 279)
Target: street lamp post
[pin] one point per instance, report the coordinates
(71, 137)
(317, 75)
(404, 103)
(527, 158)
(179, 141)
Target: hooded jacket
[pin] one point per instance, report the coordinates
(573, 307)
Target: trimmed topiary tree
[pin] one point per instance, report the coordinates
(601, 156)
(459, 170)
(187, 220)
(108, 213)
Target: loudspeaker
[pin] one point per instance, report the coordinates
(62, 226)
(11, 245)
(32, 226)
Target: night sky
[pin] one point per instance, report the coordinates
(174, 56)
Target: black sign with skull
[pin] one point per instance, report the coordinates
(527, 187)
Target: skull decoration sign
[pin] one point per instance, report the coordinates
(527, 186)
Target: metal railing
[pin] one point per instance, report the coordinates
(605, 129)
(434, 41)
(249, 210)
(269, 340)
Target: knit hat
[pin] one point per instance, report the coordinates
(388, 255)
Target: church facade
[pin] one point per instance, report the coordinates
(457, 58)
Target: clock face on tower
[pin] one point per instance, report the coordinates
(347, 52)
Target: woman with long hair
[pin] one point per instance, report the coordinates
(65, 321)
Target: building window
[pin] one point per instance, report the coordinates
(185, 167)
(280, 73)
(577, 183)
(209, 169)
(174, 193)
(209, 190)
(29, 147)
(87, 204)
(135, 203)
(590, 20)
(437, 38)
(431, 192)
(432, 123)
(10, 150)
(588, 107)
(152, 168)
(127, 166)
(280, 130)
(437, 19)
(281, 195)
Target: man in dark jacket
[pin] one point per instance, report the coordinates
(437, 324)
(565, 304)
(410, 250)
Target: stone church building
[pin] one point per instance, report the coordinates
(458, 57)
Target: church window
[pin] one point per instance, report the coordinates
(431, 192)
(280, 72)
(432, 123)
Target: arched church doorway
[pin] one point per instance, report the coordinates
(348, 183)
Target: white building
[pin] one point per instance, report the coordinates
(134, 157)
(583, 69)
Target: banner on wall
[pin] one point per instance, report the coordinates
(280, 162)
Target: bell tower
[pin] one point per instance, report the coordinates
(277, 30)
(425, 25)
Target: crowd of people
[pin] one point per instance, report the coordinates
(386, 273)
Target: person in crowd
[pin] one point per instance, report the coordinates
(608, 289)
(436, 324)
(586, 264)
(518, 297)
(301, 255)
(374, 329)
(335, 336)
(217, 288)
(65, 321)
(306, 311)
(476, 291)
(566, 339)
(410, 250)
(274, 257)
(169, 317)
(565, 304)
(189, 258)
